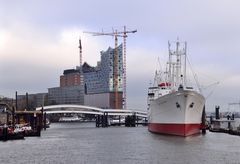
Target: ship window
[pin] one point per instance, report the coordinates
(191, 105)
(150, 94)
(177, 105)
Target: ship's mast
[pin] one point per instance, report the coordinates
(169, 64)
(185, 64)
(177, 72)
(178, 63)
(80, 62)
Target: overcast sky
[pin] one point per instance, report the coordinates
(39, 39)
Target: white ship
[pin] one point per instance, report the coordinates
(173, 107)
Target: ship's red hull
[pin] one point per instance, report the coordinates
(175, 129)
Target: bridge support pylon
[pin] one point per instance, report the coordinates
(98, 121)
(102, 120)
(130, 121)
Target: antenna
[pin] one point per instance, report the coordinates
(80, 62)
(80, 52)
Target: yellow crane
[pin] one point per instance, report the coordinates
(117, 34)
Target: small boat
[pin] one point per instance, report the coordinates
(23, 128)
(8, 133)
(74, 118)
(116, 121)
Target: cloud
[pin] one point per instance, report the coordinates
(3, 39)
(33, 59)
(40, 39)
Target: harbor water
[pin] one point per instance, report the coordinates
(84, 143)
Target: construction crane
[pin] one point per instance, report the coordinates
(80, 52)
(117, 34)
(80, 62)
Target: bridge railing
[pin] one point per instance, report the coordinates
(70, 108)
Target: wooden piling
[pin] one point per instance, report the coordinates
(16, 105)
(42, 118)
(97, 121)
(38, 133)
(13, 116)
(5, 132)
(27, 105)
(119, 120)
(134, 120)
(217, 114)
(204, 121)
(137, 120)
(127, 121)
(105, 119)
(45, 120)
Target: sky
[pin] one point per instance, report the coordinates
(39, 39)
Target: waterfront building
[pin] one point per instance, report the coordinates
(85, 85)
(66, 95)
(70, 77)
(98, 81)
(71, 91)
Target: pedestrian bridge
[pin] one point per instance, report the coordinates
(82, 109)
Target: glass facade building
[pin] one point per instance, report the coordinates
(66, 95)
(96, 88)
(99, 79)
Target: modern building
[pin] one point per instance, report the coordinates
(98, 81)
(66, 95)
(70, 77)
(86, 85)
(71, 91)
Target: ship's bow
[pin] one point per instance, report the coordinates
(178, 113)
